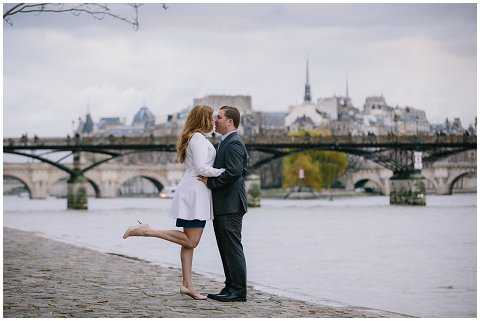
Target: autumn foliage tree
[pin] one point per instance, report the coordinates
(321, 169)
(292, 165)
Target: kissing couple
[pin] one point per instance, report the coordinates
(212, 188)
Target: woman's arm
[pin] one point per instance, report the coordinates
(199, 147)
(233, 167)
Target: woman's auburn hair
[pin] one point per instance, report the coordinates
(199, 120)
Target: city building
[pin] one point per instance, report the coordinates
(88, 126)
(453, 127)
(410, 121)
(272, 123)
(378, 116)
(172, 125)
(144, 118)
(329, 106)
(242, 102)
(107, 123)
(117, 126)
(306, 115)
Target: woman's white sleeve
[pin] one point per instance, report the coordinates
(199, 147)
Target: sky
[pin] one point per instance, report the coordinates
(59, 66)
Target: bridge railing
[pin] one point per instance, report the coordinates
(365, 139)
(71, 141)
(260, 139)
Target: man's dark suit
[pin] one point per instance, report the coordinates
(229, 206)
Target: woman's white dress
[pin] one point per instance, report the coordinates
(192, 199)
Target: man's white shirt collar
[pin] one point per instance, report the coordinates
(229, 133)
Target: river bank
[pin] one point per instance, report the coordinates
(47, 278)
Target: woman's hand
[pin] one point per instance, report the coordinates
(202, 179)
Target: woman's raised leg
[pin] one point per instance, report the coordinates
(174, 236)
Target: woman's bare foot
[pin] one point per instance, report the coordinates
(192, 293)
(137, 230)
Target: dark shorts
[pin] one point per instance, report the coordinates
(190, 223)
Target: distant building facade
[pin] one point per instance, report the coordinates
(172, 124)
(242, 102)
(410, 121)
(335, 115)
(143, 120)
(341, 117)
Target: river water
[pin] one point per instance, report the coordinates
(356, 251)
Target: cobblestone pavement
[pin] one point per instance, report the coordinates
(47, 278)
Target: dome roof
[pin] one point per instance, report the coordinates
(144, 117)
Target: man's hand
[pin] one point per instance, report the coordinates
(202, 179)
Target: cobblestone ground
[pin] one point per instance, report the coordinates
(46, 278)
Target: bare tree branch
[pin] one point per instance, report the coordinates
(97, 10)
(12, 10)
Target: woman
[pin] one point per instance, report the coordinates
(192, 203)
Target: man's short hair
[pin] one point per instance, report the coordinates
(232, 113)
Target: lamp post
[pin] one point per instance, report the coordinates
(301, 176)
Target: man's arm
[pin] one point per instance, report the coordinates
(233, 167)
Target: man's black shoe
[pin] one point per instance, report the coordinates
(214, 296)
(224, 291)
(229, 297)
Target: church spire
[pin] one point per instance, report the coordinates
(346, 88)
(307, 97)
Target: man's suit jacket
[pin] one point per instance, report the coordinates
(228, 189)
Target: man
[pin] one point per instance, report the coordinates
(230, 204)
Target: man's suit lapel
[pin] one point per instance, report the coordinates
(224, 143)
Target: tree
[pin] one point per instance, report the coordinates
(292, 165)
(332, 165)
(96, 10)
(321, 168)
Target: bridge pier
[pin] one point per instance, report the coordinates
(408, 188)
(109, 189)
(39, 190)
(444, 189)
(77, 197)
(252, 186)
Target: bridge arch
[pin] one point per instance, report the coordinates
(21, 180)
(64, 179)
(455, 179)
(96, 189)
(430, 184)
(362, 181)
(154, 179)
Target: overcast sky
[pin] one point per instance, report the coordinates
(415, 54)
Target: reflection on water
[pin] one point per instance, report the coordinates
(358, 251)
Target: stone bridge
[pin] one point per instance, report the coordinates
(440, 177)
(106, 180)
